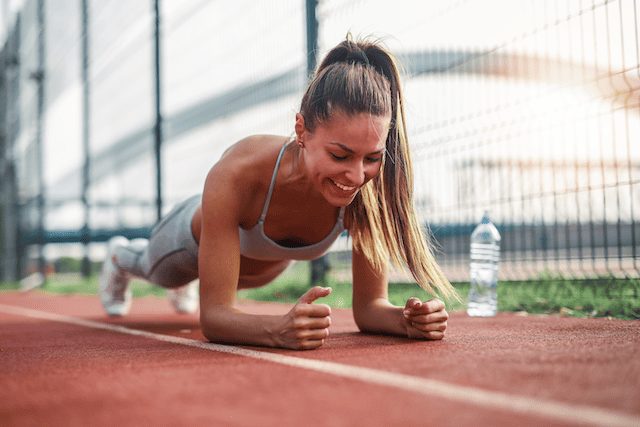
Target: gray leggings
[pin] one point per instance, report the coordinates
(170, 257)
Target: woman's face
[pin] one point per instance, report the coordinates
(343, 153)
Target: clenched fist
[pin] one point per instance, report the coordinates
(306, 326)
(425, 320)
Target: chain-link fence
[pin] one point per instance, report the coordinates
(528, 109)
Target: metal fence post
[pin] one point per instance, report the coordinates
(86, 122)
(4, 52)
(12, 252)
(158, 110)
(312, 36)
(38, 76)
(320, 266)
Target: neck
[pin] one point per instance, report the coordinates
(293, 168)
(296, 181)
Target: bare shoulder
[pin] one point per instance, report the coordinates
(250, 155)
(243, 171)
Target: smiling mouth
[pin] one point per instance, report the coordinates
(343, 187)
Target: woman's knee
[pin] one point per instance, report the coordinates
(174, 270)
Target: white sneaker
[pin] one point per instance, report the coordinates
(185, 300)
(115, 294)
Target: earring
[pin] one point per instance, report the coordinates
(300, 143)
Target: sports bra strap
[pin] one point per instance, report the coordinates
(265, 208)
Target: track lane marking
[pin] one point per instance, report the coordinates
(574, 413)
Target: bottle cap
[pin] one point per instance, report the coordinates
(485, 218)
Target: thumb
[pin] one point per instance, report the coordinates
(412, 302)
(313, 294)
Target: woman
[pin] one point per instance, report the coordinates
(347, 168)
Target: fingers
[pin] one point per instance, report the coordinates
(431, 331)
(309, 333)
(313, 294)
(434, 335)
(311, 322)
(312, 334)
(439, 316)
(311, 310)
(307, 325)
(427, 319)
(305, 306)
(412, 302)
(310, 344)
(433, 305)
(430, 327)
(414, 307)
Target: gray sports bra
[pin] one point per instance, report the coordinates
(257, 245)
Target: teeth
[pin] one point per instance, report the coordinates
(343, 187)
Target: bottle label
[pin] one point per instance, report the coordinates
(485, 252)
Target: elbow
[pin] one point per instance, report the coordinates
(209, 334)
(363, 328)
(372, 316)
(363, 319)
(209, 330)
(366, 327)
(212, 324)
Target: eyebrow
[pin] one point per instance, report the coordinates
(349, 150)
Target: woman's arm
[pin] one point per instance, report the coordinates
(374, 313)
(304, 327)
(372, 310)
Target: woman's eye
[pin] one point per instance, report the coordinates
(335, 156)
(373, 159)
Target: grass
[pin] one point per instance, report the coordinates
(619, 298)
(605, 297)
(75, 284)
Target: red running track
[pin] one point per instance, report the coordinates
(509, 370)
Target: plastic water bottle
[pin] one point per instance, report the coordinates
(485, 255)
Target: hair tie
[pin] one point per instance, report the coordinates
(357, 57)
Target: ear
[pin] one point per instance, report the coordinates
(300, 127)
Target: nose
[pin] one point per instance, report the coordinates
(356, 173)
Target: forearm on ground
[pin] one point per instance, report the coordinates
(380, 316)
(231, 326)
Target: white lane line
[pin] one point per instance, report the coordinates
(487, 399)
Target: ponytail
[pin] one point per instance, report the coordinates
(363, 77)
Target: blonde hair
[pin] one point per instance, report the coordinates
(362, 76)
